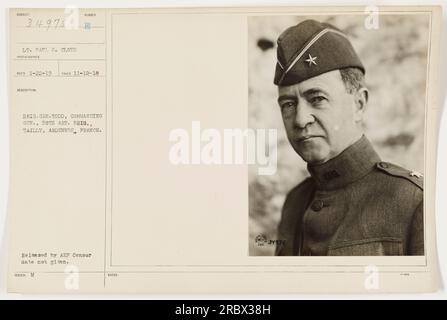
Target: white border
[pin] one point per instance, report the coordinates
(441, 182)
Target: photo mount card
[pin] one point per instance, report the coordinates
(223, 150)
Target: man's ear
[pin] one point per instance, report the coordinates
(361, 101)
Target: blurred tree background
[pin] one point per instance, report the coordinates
(395, 58)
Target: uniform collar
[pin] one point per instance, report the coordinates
(352, 164)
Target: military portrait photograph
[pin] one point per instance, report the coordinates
(347, 94)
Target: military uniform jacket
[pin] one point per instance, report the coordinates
(354, 205)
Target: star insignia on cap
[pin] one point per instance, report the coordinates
(311, 60)
(415, 174)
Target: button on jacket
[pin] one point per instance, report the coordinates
(354, 205)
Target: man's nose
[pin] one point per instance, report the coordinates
(303, 116)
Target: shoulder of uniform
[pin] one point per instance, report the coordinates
(303, 186)
(301, 189)
(399, 172)
(296, 201)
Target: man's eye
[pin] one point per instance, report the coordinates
(317, 99)
(288, 105)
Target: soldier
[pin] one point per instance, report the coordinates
(353, 204)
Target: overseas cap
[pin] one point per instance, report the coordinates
(311, 48)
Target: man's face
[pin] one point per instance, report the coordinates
(321, 118)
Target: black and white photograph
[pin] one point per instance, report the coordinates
(265, 150)
(347, 96)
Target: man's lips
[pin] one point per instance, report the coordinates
(307, 137)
